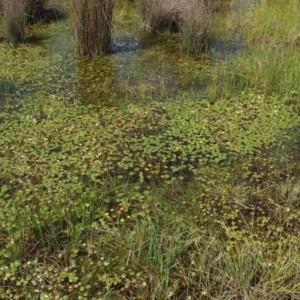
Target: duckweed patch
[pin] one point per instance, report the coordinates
(103, 202)
(141, 143)
(157, 192)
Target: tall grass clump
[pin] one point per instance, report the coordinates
(267, 70)
(189, 17)
(33, 9)
(14, 12)
(195, 25)
(160, 15)
(18, 13)
(126, 20)
(93, 25)
(270, 23)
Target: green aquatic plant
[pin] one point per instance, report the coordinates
(153, 193)
(102, 202)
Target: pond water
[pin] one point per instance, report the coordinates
(141, 68)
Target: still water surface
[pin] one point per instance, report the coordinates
(141, 68)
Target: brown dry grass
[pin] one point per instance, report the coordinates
(18, 13)
(14, 12)
(92, 25)
(189, 17)
(44, 10)
(196, 25)
(159, 15)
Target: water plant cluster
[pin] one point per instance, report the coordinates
(85, 176)
(151, 194)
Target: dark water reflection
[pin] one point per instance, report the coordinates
(140, 69)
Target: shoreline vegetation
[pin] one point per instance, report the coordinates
(186, 195)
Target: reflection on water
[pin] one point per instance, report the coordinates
(220, 46)
(141, 68)
(94, 80)
(125, 45)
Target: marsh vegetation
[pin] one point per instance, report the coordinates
(155, 172)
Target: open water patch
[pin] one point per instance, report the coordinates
(7, 90)
(124, 45)
(223, 48)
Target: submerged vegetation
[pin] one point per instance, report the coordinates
(183, 182)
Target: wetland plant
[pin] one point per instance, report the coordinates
(14, 12)
(34, 9)
(195, 25)
(190, 18)
(43, 10)
(160, 15)
(18, 13)
(270, 59)
(92, 21)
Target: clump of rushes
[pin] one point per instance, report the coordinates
(14, 12)
(195, 25)
(190, 18)
(92, 26)
(271, 23)
(270, 60)
(160, 15)
(43, 10)
(18, 13)
(33, 9)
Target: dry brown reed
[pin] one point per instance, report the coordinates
(92, 25)
(14, 12)
(190, 17)
(18, 13)
(44, 10)
(196, 25)
(159, 15)
(34, 9)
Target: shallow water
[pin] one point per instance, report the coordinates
(141, 68)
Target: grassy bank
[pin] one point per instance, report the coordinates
(269, 34)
